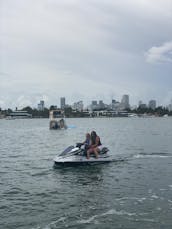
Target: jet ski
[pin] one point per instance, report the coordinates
(76, 155)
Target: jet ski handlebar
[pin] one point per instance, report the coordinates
(79, 145)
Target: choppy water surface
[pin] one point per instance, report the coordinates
(135, 191)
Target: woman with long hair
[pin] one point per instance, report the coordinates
(95, 145)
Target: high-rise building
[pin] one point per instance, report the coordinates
(78, 106)
(115, 105)
(41, 105)
(140, 102)
(62, 103)
(152, 104)
(94, 105)
(101, 104)
(125, 102)
(170, 106)
(143, 106)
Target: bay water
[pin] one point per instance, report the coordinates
(134, 191)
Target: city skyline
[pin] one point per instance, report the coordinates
(114, 104)
(85, 49)
(61, 102)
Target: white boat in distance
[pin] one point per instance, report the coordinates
(57, 119)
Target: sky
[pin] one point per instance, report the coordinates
(85, 50)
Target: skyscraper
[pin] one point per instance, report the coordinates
(152, 104)
(78, 106)
(94, 105)
(170, 106)
(62, 103)
(101, 104)
(115, 105)
(41, 105)
(125, 102)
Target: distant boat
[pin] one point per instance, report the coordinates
(132, 115)
(57, 120)
(19, 115)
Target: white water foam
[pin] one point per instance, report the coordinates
(141, 199)
(49, 226)
(110, 212)
(154, 196)
(138, 156)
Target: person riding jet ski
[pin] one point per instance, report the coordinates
(86, 143)
(96, 145)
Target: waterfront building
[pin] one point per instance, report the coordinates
(140, 102)
(62, 103)
(101, 104)
(143, 106)
(170, 106)
(78, 106)
(41, 105)
(115, 105)
(125, 102)
(152, 104)
(94, 102)
(1, 114)
(94, 105)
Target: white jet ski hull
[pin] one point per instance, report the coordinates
(74, 156)
(75, 160)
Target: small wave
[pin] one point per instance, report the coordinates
(15, 156)
(110, 212)
(3, 172)
(43, 173)
(139, 199)
(89, 220)
(155, 196)
(2, 207)
(152, 155)
(52, 224)
(114, 212)
(13, 191)
(147, 220)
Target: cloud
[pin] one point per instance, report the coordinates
(160, 54)
(82, 50)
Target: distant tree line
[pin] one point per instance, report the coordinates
(37, 113)
(159, 111)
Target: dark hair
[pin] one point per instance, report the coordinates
(93, 137)
(88, 135)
